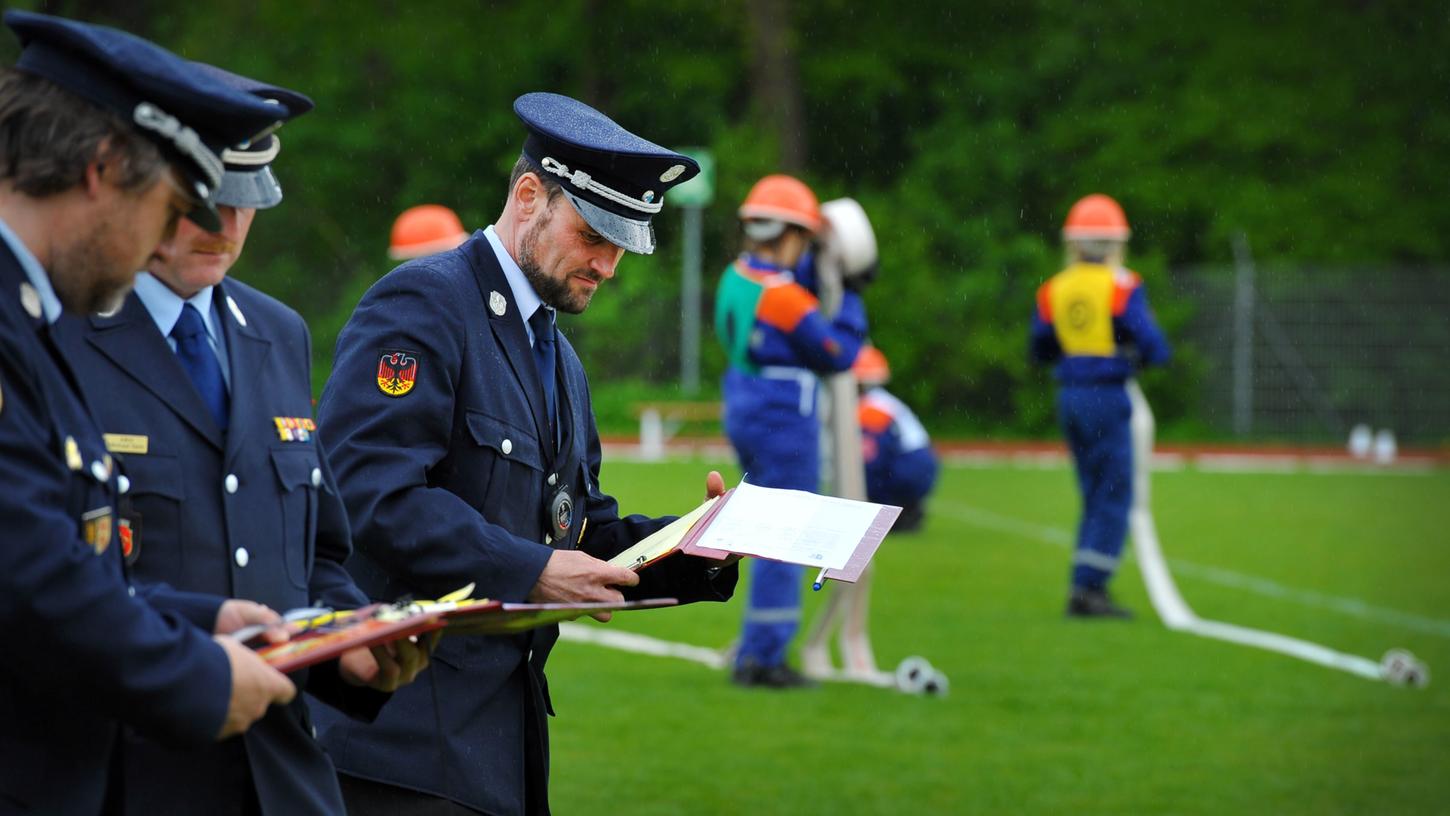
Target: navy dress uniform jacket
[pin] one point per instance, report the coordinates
(445, 484)
(251, 514)
(82, 653)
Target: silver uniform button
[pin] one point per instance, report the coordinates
(316, 477)
(243, 556)
(123, 485)
(130, 590)
(553, 479)
(30, 300)
(98, 470)
(507, 447)
(231, 483)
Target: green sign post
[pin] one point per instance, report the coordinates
(693, 196)
(700, 190)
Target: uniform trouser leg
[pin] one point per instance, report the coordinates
(773, 610)
(773, 614)
(1096, 420)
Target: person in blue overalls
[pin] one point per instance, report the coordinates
(901, 467)
(106, 142)
(1092, 319)
(777, 339)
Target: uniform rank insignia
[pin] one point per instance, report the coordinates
(397, 371)
(96, 528)
(73, 454)
(299, 429)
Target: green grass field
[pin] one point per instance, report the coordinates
(1047, 715)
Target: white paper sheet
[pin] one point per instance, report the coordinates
(790, 525)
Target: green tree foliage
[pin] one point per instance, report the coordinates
(1317, 127)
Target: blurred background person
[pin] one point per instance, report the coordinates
(426, 229)
(1092, 320)
(777, 339)
(901, 467)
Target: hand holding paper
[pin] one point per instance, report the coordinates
(836, 536)
(574, 576)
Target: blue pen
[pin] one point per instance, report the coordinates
(820, 580)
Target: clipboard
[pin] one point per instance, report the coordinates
(685, 534)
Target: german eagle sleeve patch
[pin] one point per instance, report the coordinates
(397, 371)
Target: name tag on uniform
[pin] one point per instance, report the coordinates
(294, 429)
(127, 443)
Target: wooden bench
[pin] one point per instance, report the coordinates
(661, 420)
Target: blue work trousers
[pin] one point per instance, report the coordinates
(1095, 419)
(784, 454)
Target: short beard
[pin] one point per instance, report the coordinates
(552, 291)
(85, 277)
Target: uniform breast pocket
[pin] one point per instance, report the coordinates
(509, 463)
(299, 474)
(152, 509)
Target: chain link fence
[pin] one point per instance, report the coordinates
(1305, 354)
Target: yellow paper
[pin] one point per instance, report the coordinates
(662, 541)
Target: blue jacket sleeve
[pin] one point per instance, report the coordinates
(76, 635)
(1142, 330)
(1042, 342)
(687, 578)
(382, 448)
(198, 608)
(331, 586)
(829, 344)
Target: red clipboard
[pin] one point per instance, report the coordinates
(359, 629)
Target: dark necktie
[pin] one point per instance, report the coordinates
(196, 356)
(545, 356)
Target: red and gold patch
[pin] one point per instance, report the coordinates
(397, 372)
(128, 531)
(96, 529)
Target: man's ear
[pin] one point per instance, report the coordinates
(95, 171)
(528, 195)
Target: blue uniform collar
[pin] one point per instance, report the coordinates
(49, 303)
(525, 297)
(164, 305)
(760, 265)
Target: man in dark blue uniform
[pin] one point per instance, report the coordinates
(459, 422)
(207, 402)
(105, 142)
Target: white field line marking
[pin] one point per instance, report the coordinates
(710, 658)
(1060, 537)
(640, 644)
(1218, 463)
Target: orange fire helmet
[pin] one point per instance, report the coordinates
(782, 198)
(1096, 218)
(870, 367)
(424, 230)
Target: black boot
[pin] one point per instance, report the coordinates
(1094, 603)
(782, 676)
